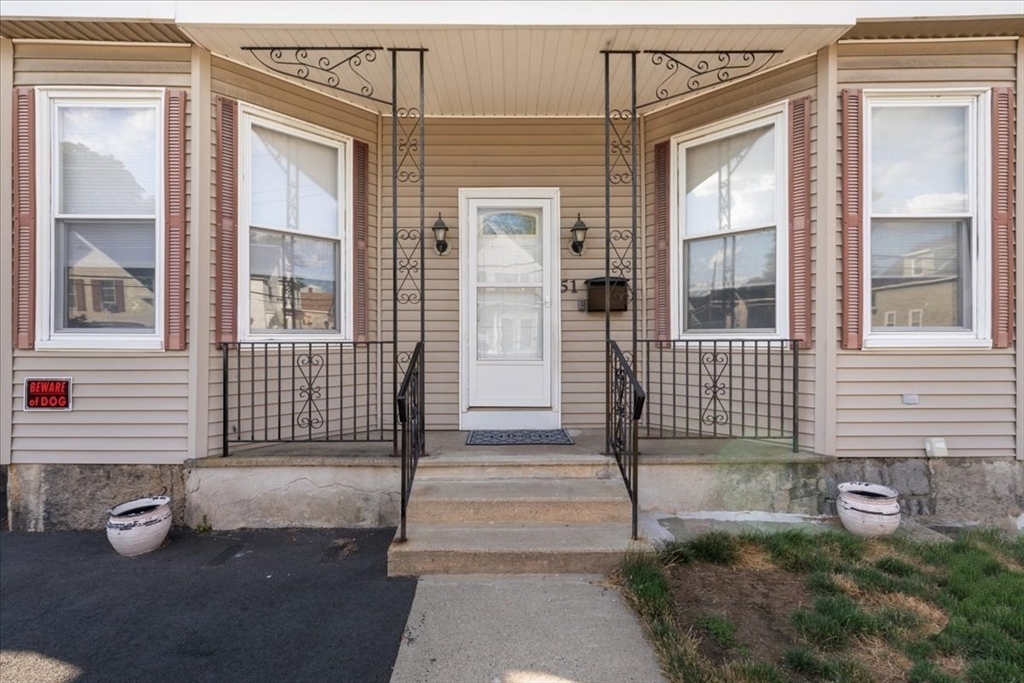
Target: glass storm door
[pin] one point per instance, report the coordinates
(508, 297)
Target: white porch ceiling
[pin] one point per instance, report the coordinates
(514, 71)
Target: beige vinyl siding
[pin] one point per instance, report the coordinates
(968, 397)
(128, 407)
(562, 153)
(246, 85)
(798, 79)
(39, 64)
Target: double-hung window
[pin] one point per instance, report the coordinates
(926, 240)
(101, 233)
(729, 255)
(295, 238)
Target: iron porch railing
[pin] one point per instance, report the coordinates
(625, 407)
(720, 388)
(411, 409)
(274, 392)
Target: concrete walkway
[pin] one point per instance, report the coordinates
(523, 629)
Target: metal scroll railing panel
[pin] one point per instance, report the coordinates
(625, 407)
(411, 409)
(714, 388)
(274, 392)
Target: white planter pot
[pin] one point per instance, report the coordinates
(868, 509)
(139, 526)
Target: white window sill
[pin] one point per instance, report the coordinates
(101, 344)
(924, 341)
(297, 339)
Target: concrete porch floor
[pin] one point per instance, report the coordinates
(445, 445)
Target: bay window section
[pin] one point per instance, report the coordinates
(296, 209)
(731, 187)
(921, 191)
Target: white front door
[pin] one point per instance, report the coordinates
(509, 303)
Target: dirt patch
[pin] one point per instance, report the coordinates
(756, 599)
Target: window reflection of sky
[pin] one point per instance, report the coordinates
(919, 160)
(509, 247)
(286, 169)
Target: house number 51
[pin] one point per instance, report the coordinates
(568, 286)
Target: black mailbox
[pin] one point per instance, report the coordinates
(616, 286)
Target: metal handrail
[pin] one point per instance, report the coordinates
(625, 407)
(410, 406)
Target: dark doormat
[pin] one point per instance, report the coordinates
(518, 437)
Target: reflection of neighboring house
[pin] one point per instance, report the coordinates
(749, 306)
(97, 297)
(316, 309)
(921, 289)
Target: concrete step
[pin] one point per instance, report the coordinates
(511, 549)
(574, 500)
(487, 466)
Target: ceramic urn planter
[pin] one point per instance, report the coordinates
(139, 526)
(868, 509)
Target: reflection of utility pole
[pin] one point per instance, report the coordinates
(288, 281)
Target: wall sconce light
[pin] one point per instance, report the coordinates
(579, 235)
(440, 232)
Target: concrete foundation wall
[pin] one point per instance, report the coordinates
(293, 496)
(55, 497)
(989, 491)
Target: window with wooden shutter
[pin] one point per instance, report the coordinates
(299, 201)
(103, 215)
(730, 241)
(24, 217)
(926, 231)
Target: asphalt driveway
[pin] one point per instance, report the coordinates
(248, 606)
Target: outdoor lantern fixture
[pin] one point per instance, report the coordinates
(440, 232)
(579, 235)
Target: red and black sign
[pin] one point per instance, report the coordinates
(48, 393)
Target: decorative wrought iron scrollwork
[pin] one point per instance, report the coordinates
(690, 71)
(620, 264)
(409, 140)
(337, 68)
(620, 147)
(309, 365)
(407, 259)
(714, 410)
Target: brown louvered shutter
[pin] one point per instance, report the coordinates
(79, 295)
(174, 179)
(853, 219)
(24, 169)
(662, 285)
(227, 219)
(1003, 148)
(97, 295)
(119, 296)
(800, 220)
(361, 211)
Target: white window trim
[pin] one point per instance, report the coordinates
(47, 102)
(775, 113)
(978, 100)
(249, 114)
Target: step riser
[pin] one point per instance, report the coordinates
(431, 472)
(427, 511)
(458, 562)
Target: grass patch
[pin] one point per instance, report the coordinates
(890, 609)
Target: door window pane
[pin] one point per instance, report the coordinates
(920, 270)
(108, 159)
(731, 282)
(294, 183)
(919, 160)
(509, 246)
(509, 323)
(731, 183)
(106, 276)
(292, 282)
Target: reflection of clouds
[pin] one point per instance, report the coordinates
(127, 134)
(747, 258)
(919, 159)
(740, 170)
